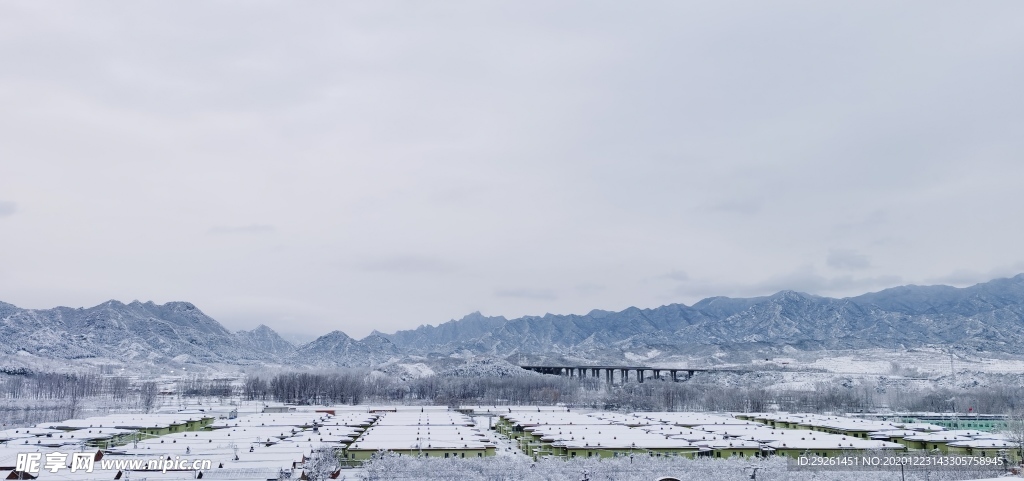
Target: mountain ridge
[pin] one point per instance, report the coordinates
(986, 316)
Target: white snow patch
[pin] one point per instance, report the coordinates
(642, 357)
(418, 369)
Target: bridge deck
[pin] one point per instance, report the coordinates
(675, 374)
(642, 368)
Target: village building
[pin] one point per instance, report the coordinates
(445, 434)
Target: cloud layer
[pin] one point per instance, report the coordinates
(7, 208)
(387, 164)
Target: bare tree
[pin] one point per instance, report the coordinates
(322, 463)
(74, 405)
(147, 394)
(1014, 431)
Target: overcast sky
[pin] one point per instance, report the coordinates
(380, 165)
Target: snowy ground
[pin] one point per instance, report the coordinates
(641, 468)
(504, 447)
(929, 362)
(919, 362)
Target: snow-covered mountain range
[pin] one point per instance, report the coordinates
(987, 317)
(983, 317)
(174, 332)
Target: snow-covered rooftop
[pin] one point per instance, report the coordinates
(422, 431)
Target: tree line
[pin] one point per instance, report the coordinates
(354, 386)
(41, 396)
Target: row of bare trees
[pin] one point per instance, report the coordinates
(49, 385)
(344, 387)
(32, 397)
(354, 386)
(206, 388)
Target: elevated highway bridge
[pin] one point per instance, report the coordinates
(609, 372)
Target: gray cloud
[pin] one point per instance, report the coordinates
(874, 221)
(8, 208)
(737, 206)
(408, 265)
(802, 280)
(528, 293)
(243, 229)
(967, 277)
(588, 288)
(846, 259)
(410, 167)
(832, 286)
(678, 275)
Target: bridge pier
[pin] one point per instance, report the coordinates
(676, 375)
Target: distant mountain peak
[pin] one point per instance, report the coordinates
(791, 294)
(337, 349)
(265, 339)
(135, 333)
(180, 305)
(335, 334)
(475, 315)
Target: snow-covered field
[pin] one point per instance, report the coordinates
(930, 362)
(923, 363)
(641, 468)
